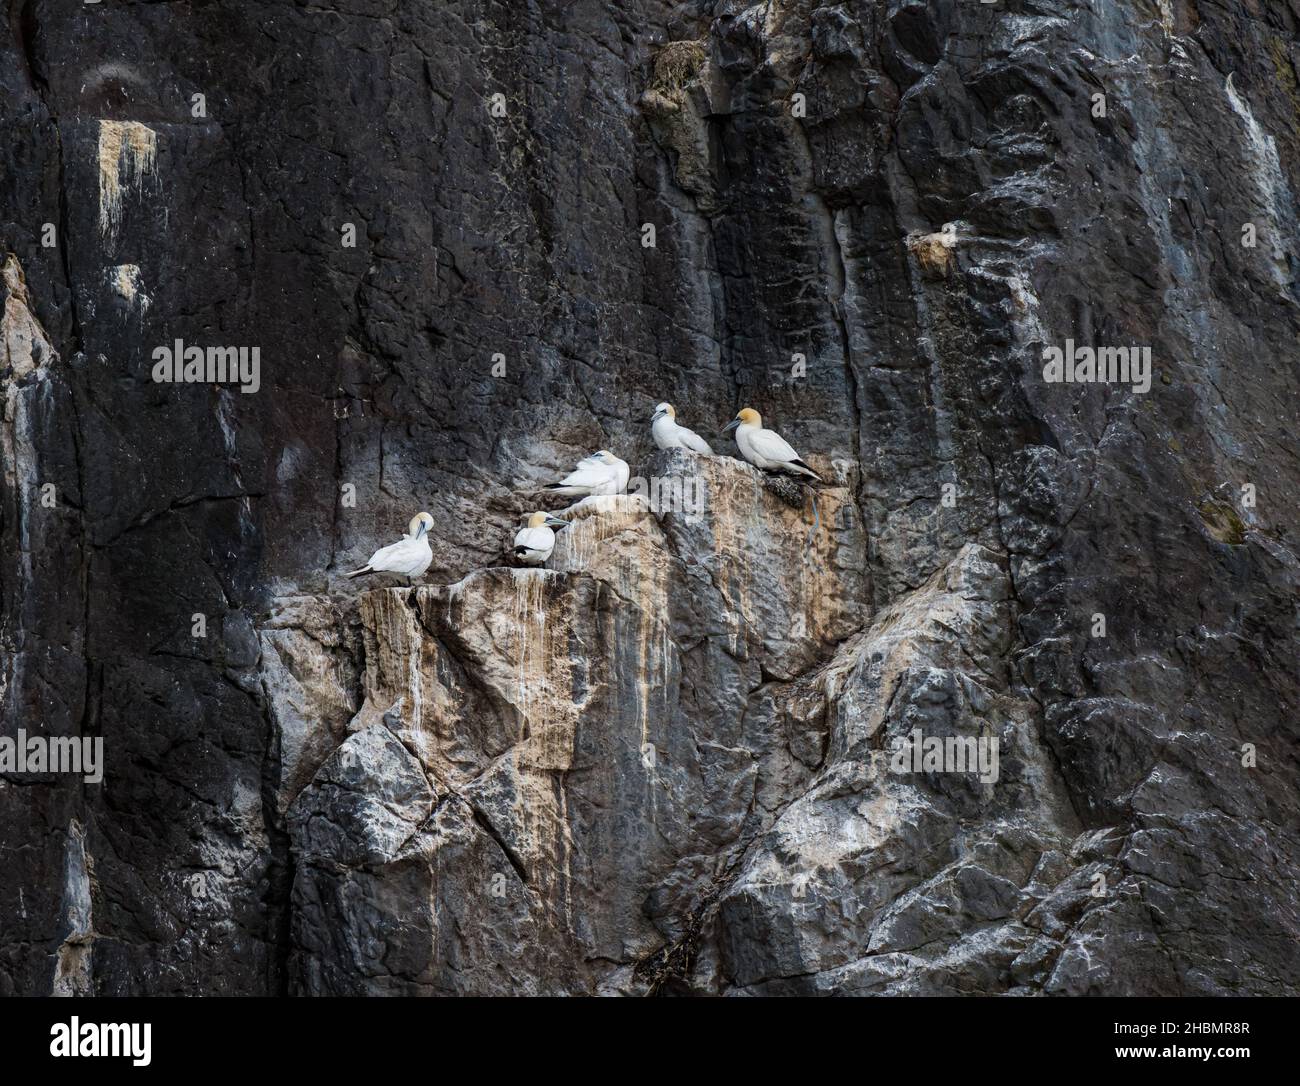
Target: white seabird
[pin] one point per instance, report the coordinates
(600, 473)
(669, 435)
(766, 449)
(535, 541)
(410, 556)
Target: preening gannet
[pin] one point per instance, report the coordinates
(410, 556)
(600, 473)
(669, 435)
(766, 449)
(535, 541)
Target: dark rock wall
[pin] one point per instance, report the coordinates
(821, 235)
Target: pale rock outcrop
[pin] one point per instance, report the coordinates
(558, 713)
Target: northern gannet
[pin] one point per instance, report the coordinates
(766, 449)
(669, 435)
(410, 556)
(535, 541)
(600, 473)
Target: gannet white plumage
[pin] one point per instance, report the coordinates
(535, 541)
(600, 473)
(766, 449)
(669, 435)
(410, 556)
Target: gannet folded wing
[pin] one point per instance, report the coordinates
(693, 441)
(772, 446)
(588, 475)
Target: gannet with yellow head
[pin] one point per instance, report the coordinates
(766, 449)
(410, 556)
(669, 435)
(536, 539)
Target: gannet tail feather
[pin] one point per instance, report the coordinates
(805, 468)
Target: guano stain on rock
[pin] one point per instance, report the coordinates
(127, 155)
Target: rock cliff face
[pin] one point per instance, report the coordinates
(471, 242)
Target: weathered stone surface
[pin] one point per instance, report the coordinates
(661, 764)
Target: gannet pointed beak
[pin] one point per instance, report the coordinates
(556, 523)
(731, 425)
(419, 532)
(658, 415)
